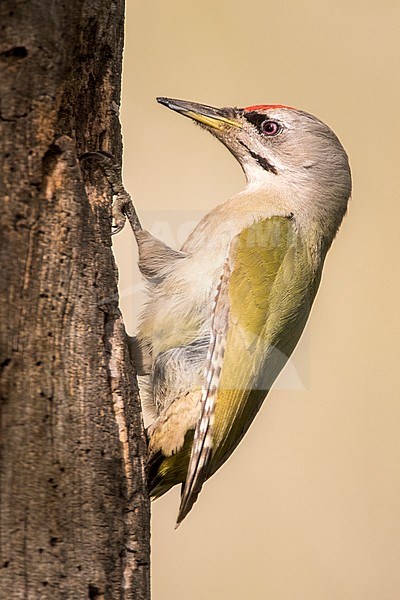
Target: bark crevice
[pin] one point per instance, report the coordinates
(74, 510)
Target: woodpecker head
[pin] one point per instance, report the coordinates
(279, 148)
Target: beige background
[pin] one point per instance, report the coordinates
(308, 506)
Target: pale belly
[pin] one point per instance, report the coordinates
(176, 323)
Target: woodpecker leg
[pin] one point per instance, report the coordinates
(154, 255)
(122, 205)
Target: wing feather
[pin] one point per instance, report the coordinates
(263, 300)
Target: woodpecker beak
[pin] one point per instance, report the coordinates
(216, 118)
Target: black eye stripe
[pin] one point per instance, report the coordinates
(256, 119)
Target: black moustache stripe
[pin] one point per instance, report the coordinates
(267, 166)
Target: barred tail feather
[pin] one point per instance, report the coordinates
(198, 469)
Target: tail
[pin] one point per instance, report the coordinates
(155, 484)
(163, 472)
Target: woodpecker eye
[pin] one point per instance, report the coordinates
(271, 127)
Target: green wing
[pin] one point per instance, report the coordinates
(263, 303)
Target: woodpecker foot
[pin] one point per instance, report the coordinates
(122, 206)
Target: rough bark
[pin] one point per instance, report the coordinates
(74, 512)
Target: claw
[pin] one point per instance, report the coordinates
(117, 228)
(122, 205)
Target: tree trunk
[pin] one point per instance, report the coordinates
(74, 511)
